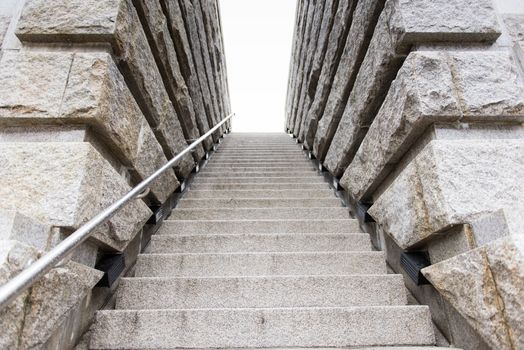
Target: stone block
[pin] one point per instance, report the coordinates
(336, 81)
(35, 315)
(82, 88)
(115, 23)
(485, 286)
(314, 48)
(193, 31)
(334, 27)
(453, 182)
(19, 227)
(301, 59)
(4, 24)
(187, 64)
(431, 86)
(155, 24)
(65, 185)
(301, 14)
(401, 25)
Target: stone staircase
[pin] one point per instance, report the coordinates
(260, 253)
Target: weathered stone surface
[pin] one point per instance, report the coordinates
(193, 32)
(376, 72)
(155, 24)
(506, 262)
(314, 47)
(466, 282)
(115, 23)
(14, 257)
(295, 56)
(452, 182)
(211, 28)
(33, 317)
(432, 87)
(66, 184)
(203, 35)
(299, 75)
(19, 227)
(4, 23)
(65, 88)
(329, 48)
(399, 27)
(486, 286)
(338, 75)
(187, 65)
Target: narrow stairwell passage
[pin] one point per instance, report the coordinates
(260, 253)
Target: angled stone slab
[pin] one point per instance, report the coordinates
(452, 182)
(16, 226)
(485, 285)
(157, 31)
(64, 184)
(298, 42)
(187, 64)
(338, 77)
(212, 29)
(306, 38)
(472, 86)
(196, 37)
(203, 35)
(115, 23)
(35, 315)
(82, 88)
(312, 49)
(401, 25)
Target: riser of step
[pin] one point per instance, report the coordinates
(184, 227)
(261, 214)
(256, 187)
(260, 292)
(260, 157)
(265, 162)
(255, 164)
(259, 203)
(255, 168)
(221, 159)
(260, 264)
(279, 152)
(302, 194)
(221, 174)
(248, 328)
(254, 180)
(232, 243)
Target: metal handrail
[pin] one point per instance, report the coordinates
(25, 279)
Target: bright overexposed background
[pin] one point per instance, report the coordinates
(258, 37)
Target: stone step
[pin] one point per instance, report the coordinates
(298, 194)
(257, 159)
(228, 174)
(301, 163)
(264, 162)
(302, 169)
(257, 187)
(232, 243)
(260, 264)
(263, 328)
(304, 214)
(229, 203)
(279, 152)
(182, 227)
(260, 292)
(262, 180)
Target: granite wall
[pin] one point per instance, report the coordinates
(94, 97)
(416, 108)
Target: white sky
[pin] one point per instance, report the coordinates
(258, 36)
